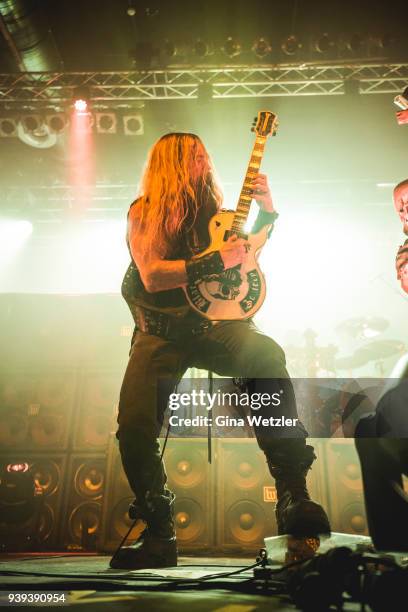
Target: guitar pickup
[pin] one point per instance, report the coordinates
(230, 232)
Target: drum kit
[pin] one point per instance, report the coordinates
(314, 361)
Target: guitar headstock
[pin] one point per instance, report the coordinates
(265, 124)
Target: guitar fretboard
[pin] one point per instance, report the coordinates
(246, 196)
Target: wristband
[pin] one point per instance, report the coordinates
(266, 217)
(198, 268)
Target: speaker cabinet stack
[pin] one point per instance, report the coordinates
(40, 330)
(344, 487)
(38, 528)
(66, 356)
(118, 496)
(96, 412)
(85, 486)
(36, 410)
(65, 359)
(35, 418)
(245, 496)
(191, 478)
(94, 422)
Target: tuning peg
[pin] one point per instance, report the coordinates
(255, 119)
(252, 129)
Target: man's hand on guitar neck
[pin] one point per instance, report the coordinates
(262, 193)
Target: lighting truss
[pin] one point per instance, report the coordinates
(50, 201)
(30, 89)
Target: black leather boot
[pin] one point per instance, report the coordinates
(154, 504)
(157, 545)
(296, 513)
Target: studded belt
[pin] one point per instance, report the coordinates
(170, 327)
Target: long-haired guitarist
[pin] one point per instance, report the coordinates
(401, 207)
(401, 203)
(167, 230)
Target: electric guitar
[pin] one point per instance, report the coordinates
(236, 293)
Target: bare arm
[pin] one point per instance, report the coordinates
(263, 197)
(159, 274)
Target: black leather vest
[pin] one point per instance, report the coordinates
(194, 239)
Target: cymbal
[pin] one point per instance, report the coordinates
(380, 349)
(363, 327)
(373, 351)
(350, 362)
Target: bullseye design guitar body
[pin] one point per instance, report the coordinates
(238, 292)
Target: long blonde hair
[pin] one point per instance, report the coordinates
(170, 197)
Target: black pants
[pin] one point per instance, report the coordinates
(382, 446)
(231, 349)
(383, 461)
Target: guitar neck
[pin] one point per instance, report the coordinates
(245, 197)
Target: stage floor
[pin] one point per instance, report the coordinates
(90, 584)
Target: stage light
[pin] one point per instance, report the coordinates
(57, 122)
(143, 53)
(93, 256)
(261, 47)
(81, 124)
(106, 123)
(169, 49)
(151, 11)
(133, 125)
(8, 127)
(323, 44)
(80, 99)
(322, 268)
(31, 123)
(355, 43)
(231, 47)
(17, 467)
(81, 106)
(201, 48)
(33, 131)
(81, 151)
(291, 45)
(402, 100)
(385, 41)
(12, 235)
